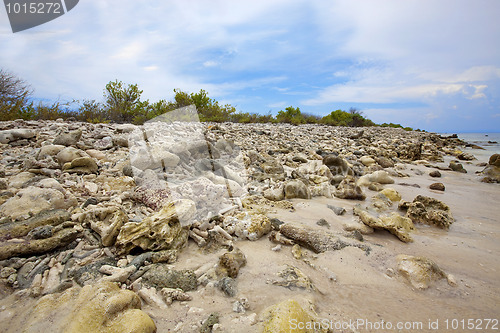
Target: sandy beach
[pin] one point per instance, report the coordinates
(361, 287)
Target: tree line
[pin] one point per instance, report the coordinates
(122, 104)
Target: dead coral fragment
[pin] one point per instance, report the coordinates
(421, 272)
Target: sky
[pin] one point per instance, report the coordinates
(428, 64)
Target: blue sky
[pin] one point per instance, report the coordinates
(430, 64)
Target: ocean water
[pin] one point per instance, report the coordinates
(485, 140)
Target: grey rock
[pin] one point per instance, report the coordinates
(68, 139)
(160, 276)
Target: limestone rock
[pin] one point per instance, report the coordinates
(381, 177)
(275, 194)
(392, 194)
(458, 167)
(49, 151)
(292, 277)
(7, 136)
(160, 276)
(100, 308)
(107, 222)
(231, 262)
(251, 226)
(337, 165)
(296, 189)
(396, 224)
(494, 160)
(159, 231)
(316, 240)
(384, 162)
(492, 170)
(347, 189)
(68, 154)
(367, 161)
(33, 200)
(81, 165)
(37, 246)
(68, 139)
(429, 211)
(22, 228)
(278, 318)
(420, 271)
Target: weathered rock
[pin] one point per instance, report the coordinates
(429, 211)
(107, 222)
(466, 157)
(492, 174)
(68, 139)
(228, 286)
(68, 154)
(231, 262)
(159, 231)
(381, 202)
(437, 186)
(381, 177)
(421, 272)
(435, 174)
(22, 228)
(337, 165)
(160, 276)
(296, 189)
(337, 210)
(292, 277)
(174, 294)
(396, 224)
(458, 167)
(494, 160)
(410, 151)
(278, 318)
(347, 189)
(251, 226)
(275, 194)
(99, 308)
(367, 161)
(33, 200)
(384, 162)
(316, 240)
(209, 323)
(120, 140)
(16, 134)
(272, 167)
(81, 165)
(37, 246)
(392, 194)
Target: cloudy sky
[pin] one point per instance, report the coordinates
(430, 64)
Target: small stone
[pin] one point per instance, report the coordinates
(337, 210)
(458, 167)
(323, 223)
(437, 186)
(228, 286)
(42, 232)
(435, 174)
(68, 139)
(209, 323)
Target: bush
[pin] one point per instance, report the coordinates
(14, 94)
(291, 115)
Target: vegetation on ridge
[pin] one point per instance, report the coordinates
(122, 103)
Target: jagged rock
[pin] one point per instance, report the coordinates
(231, 262)
(296, 189)
(421, 272)
(81, 165)
(49, 151)
(437, 186)
(381, 202)
(174, 294)
(492, 170)
(316, 240)
(392, 194)
(410, 151)
(396, 224)
(435, 174)
(107, 222)
(458, 167)
(466, 157)
(22, 228)
(272, 167)
(154, 198)
(292, 277)
(228, 286)
(280, 318)
(209, 323)
(251, 226)
(347, 189)
(160, 276)
(33, 200)
(429, 211)
(104, 143)
(37, 246)
(21, 179)
(120, 140)
(159, 231)
(103, 307)
(68, 139)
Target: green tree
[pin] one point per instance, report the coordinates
(122, 102)
(291, 115)
(14, 94)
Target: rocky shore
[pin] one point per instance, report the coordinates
(186, 226)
